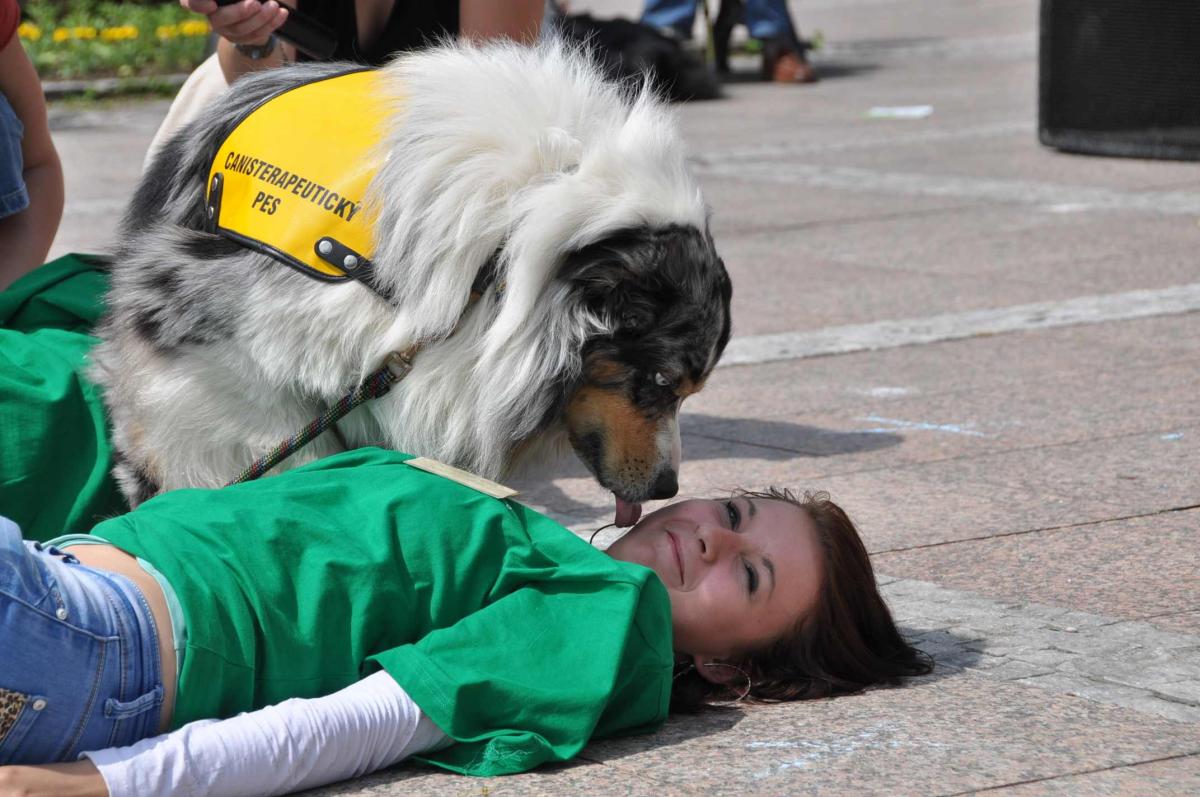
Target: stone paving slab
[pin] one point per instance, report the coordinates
(1072, 407)
(1120, 272)
(1019, 364)
(1015, 154)
(1173, 777)
(1002, 190)
(1139, 568)
(1143, 472)
(952, 733)
(978, 240)
(1183, 622)
(1021, 490)
(886, 19)
(576, 778)
(741, 207)
(102, 151)
(849, 293)
(1059, 648)
(945, 501)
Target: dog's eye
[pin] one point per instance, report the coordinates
(661, 380)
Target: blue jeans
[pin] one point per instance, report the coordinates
(13, 196)
(79, 659)
(766, 19)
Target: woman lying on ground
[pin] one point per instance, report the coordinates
(413, 616)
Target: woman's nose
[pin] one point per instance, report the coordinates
(715, 541)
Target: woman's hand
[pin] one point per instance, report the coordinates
(247, 22)
(76, 779)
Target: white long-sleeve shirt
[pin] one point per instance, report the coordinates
(297, 744)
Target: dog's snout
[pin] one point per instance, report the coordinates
(666, 485)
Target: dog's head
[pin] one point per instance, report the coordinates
(662, 298)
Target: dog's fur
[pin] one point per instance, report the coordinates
(615, 305)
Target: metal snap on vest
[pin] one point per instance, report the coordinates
(61, 613)
(38, 704)
(325, 247)
(350, 261)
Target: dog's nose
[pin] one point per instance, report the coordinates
(666, 485)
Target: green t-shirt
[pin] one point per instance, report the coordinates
(55, 457)
(516, 637)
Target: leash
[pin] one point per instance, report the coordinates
(397, 366)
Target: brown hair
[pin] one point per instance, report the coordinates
(846, 643)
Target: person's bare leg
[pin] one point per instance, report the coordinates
(25, 237)
(518, 20)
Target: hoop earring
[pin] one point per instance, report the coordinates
(592, 539)
(749, 684)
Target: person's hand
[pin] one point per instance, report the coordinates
(247, 22)
(74, 779)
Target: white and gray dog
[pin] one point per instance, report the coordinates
(608, 304)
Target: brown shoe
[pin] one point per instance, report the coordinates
(788, 67)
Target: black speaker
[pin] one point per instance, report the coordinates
(1120, 77)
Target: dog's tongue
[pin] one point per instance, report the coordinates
(627, 513)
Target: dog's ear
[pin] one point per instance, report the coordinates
(609, 277)
(618, 296)
(629, 276)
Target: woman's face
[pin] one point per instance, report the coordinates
(740, 573)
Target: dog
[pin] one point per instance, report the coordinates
(562, 198)
(630, 50)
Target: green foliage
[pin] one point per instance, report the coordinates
(91, 38)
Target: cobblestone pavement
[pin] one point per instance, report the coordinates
(987, 351)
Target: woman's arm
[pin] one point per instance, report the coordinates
(298, 744)
(25, 237)
(76, 779)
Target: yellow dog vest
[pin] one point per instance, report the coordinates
(289, 179)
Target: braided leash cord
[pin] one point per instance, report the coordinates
(380, 381)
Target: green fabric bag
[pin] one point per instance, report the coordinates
(55, 456)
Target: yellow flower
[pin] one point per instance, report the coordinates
(194, 27)
(29, 31)
(119, 33)
(84, 33)
(61, 34)
(167, 31)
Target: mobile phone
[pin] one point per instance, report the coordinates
(308, 35)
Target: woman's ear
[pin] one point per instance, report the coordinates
(717, 672)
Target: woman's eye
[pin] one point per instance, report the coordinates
(735, 517)
(661, 380)
(751, 578)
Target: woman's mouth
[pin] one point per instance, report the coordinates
(675, 549)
